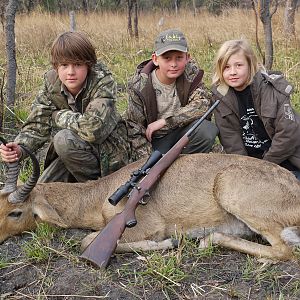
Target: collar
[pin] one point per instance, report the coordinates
(223, 89)
(64, 90)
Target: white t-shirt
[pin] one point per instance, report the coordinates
(167, 98)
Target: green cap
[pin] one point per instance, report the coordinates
(171, 39)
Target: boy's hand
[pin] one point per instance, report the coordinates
(154, 126)
(10, 152)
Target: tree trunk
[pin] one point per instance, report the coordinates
(262, 56)
(60, 7)
(3, 5)
(194, 8)
(85, 6)
(1, 102)
(11, 10)
(176, 7)
(268, 44)
(289, 19)
(136, 21)
(29, 6)
(72, 21)
(129, 23)
(266, 17)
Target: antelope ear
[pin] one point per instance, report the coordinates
(47, 214)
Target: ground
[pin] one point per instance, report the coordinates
(45, 264)
(183, 273)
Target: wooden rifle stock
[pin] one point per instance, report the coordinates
(99, 251)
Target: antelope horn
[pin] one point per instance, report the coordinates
(21, 193)
(11, 176)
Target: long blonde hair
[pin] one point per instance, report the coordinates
(226, 50)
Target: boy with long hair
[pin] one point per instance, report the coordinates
(77, 107)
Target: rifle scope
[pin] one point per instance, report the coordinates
(123, 190)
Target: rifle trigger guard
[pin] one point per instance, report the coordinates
(145, 199)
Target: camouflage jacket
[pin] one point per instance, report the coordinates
(97, 120)
(142, 108)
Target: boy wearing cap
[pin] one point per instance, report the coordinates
(166, 96)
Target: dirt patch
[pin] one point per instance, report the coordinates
(221, 274)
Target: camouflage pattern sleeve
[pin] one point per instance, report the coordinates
(100, 116)
(198, 103)
(135, 120)
(37, 128)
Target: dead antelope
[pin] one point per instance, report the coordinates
(226, 197)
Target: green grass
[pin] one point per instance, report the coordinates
(37, 249)
(3, 263)
(164, 269)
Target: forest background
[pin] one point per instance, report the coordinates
(44, 264)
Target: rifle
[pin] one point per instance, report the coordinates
(99, 251)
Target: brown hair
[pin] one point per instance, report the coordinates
(73, 47)
(226, 50)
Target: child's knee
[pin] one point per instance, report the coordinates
(63, 142)
(207, 131)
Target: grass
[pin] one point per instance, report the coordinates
(40, 247)
(37, 249)
(188, 270)
(204, 32)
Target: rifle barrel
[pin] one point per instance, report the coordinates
(188, 133)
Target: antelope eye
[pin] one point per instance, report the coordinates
(15, 214)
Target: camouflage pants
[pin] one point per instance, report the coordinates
(76, 160)
(297, 174)
(201, 139)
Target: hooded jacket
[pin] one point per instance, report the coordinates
(271, 98)
(95, 120)
(142, 104)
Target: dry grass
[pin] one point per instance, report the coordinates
(35, 33)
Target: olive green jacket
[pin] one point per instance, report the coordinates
(271, 99)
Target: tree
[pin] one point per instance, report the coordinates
(265, 9)
(72, 20)
(1, 102)
(289, 18)
(176, 7)
(194, 7)
(10, 15)
(132, 5)
(3, 5)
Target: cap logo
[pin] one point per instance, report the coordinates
(171, 38)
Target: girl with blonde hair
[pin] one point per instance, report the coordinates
(255, 116)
